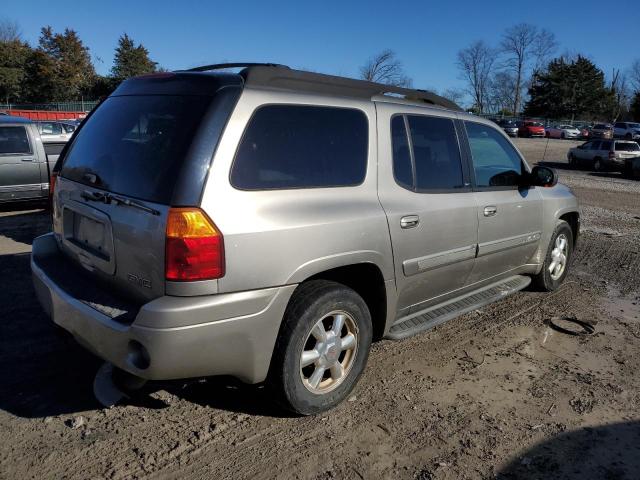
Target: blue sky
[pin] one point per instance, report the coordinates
(329, 36)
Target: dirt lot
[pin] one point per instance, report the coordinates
(495, 393)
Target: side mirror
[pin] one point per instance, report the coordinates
(543, 177)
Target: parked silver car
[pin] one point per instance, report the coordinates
(53, 131)
(270, 224)
(603, 154)
(627, 130)
(563, 131)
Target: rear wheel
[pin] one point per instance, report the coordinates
(572, 161)
(597, 164)
(563, 136)
(322, 347)
(556, 263)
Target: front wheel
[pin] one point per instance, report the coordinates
(322, 347)
(556, 263)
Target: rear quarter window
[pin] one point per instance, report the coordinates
(302, 146)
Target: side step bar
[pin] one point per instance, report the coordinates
(437, 314)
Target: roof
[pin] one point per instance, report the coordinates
(13, 119)
(270, 75)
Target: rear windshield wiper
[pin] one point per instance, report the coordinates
(109, 198)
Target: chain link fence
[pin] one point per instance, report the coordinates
(77, 106)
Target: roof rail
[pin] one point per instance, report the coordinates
(222, 66)
(274, 76)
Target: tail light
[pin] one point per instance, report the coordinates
(194, 246)
(52, 185)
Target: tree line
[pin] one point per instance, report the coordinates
(518, 76)
(60, 68)
(521, 76)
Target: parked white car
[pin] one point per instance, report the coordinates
(52, 131)
(627, 130)
(563, 131)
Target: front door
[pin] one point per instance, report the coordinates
(510, 217)
(425, 191)
(19, 170)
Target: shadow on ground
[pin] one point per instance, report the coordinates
(609, 452)
(24, 226)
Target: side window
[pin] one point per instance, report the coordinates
(495, 162)
(605, 146)
(302, 146)
(619, 125)
(595, 146)
(14, 140)
(402, 169)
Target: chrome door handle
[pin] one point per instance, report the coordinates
(490, 211)
(26, 159)
(409, 221)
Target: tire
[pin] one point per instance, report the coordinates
(292, 384)
(572, 161)
(597, 164)
(545, 280)
(563, 136)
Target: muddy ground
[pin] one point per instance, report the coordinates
(495, 393)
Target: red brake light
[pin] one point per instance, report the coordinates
(194, 246)
(52, 185)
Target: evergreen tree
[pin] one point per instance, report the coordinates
(14, 55)
(131, 60)
(60, 69)
(570, 89)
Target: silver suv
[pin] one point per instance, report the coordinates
(269, 224)
(603, 154)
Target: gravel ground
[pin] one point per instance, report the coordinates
(494, 393)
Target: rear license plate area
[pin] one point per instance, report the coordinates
(88, 234)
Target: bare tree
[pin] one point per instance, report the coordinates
(634, 75)
(9, 31)
(385, 68)
(518, 45)
(620, 88)
(454, 94)
(544, 46)
(476, 64)
(501, 91)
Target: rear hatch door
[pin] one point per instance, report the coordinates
(115, 186)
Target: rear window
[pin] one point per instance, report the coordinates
(135, 145)
(627, 147)
(14, 140)
(302, 146)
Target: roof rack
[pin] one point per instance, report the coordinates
(223, 66)
(273, 75)
(290, 79)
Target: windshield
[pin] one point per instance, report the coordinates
(627, 147)
(634, 125)
(135, 145)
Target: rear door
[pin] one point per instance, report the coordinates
(425, 192)
(510, 218)
(19, 168)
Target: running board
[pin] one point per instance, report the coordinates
(437, 314)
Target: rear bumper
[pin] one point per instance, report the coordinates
(172, 337)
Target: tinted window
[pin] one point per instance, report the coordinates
(14, 140)
(595, 145)
(605, 146)
(135, 145)
(50, 128)
(68, 128)
(436, 153)
(627, 147)
(296, 146)
(402, 170)
(495, 162)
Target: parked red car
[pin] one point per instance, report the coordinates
(531, 129)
